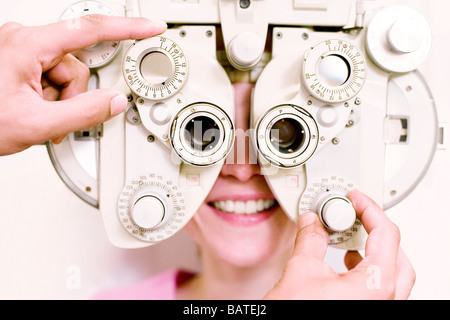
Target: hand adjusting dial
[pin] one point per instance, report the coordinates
(328, 198)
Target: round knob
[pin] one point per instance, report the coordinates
(245, 50)
(334, 70)
(405, 36)
(148, 212)
(338, 214)
(156, 68)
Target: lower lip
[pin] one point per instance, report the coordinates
(247, 220)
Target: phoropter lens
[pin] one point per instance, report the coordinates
(202, 133)
(287, 135)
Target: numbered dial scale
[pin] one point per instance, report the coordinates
(101, 53)
(327, 197)
(334, 71)
(152, 208)
(155, 68)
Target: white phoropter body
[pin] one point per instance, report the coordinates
(358, 118)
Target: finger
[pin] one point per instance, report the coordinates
(50, 92)
(406, 277)
(312, 239)
(82, 112)
(383, 235)
(71, 35)
(352, 259)
(71, 75)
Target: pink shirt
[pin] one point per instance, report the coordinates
(161, 287)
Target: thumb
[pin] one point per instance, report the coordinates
(312, 239)
(84, 111)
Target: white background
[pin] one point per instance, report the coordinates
(54, 246)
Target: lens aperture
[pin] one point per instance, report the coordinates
(202, 133)
(287, 135)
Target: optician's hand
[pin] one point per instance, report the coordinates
(385, 272)
(37, 68)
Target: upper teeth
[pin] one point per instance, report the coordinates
(244, 207)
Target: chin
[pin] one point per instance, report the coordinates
(236, 243)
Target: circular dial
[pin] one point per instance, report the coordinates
(148, 212)
(399, 39)
(155, 68)
(151, 208)
(101, 53)
(336, 212)
(334, 71)
(327, 197)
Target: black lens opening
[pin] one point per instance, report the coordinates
(202, 133)
(287, 135)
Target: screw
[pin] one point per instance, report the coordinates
(335, 141)
(309, 102)
(151, 138)
(279, 35)
(358, 101)
(135, 119)
(141, 101)
(209, 33)
(244, 4)
(182, 33)
(305, 36)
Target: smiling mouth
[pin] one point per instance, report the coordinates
(251, 207)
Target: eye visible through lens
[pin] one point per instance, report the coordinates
(202, 133)
(287, 135)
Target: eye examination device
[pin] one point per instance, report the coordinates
(338, 105)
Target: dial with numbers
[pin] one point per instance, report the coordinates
(334, 71)
(152, 208)
(327, 197)
(101, 53)
(155, 68)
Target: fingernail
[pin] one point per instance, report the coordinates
(306, 219)
(118, 104)
(160, 23)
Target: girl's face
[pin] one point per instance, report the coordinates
(240, 221)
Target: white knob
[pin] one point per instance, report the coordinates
(338, 214)
(334, 70)
(148, 212)
(245, 50)
(405, 36)
(156, 67)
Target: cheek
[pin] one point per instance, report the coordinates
(242, 246)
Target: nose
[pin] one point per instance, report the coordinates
(242, 162)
